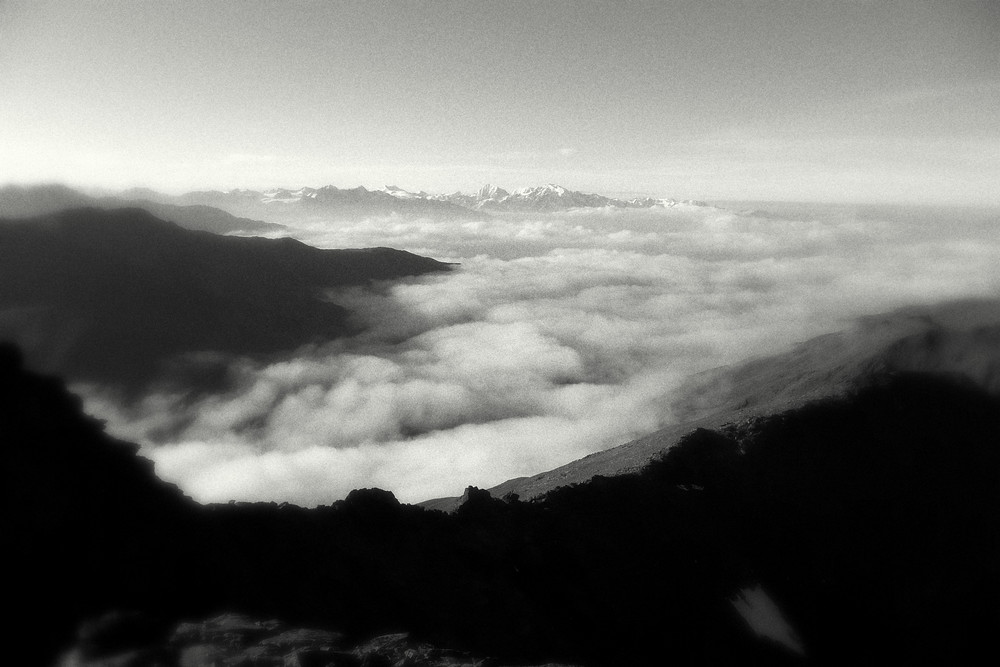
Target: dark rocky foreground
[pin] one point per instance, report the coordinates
(130, 638)
(870, 520)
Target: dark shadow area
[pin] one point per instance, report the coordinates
(110, 296)
(871, 520)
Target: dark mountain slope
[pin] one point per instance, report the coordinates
(198, 218)
(960, 338)
(957, 337)
(36, 200)
(27, 201)
(87, 525)
(873, 520)
(110, 295)
(870, 519)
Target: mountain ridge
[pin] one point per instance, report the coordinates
(18, 202)
(957, 339)
(113, 295)
(837, 513)
(289, 205)
(244, 211)
(548, 198)
(285, 203)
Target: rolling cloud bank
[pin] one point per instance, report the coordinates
(559, 335)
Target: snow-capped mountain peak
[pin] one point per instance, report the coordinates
(400, 193)
(491, 198)
(543, 190)
(541, 198)
(490, 191)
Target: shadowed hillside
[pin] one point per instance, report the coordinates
(35, 200)
(957, 337)
(868, 521)
(111, 295)
(952, 339)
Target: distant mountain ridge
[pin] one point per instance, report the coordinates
(548, 197)
(35, 200)
(245, 211)
(290, 205)
(283, 203)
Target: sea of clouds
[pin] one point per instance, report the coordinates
(558, 335)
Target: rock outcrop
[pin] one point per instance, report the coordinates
(236, 640)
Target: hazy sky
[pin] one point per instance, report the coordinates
(833, 100)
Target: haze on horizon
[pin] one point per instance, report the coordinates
(845, 101)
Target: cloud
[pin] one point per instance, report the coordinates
(559, 335)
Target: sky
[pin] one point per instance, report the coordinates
(795, 100)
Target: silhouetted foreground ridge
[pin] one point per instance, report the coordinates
(870, 521)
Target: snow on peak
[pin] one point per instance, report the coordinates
(490, 197)
(490, 191)
(400, 193)
(541, 198)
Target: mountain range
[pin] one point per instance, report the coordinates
(284, 203)
(34, 200)
(113, 295)
(289, 205)
(242, 211)
(543, 198)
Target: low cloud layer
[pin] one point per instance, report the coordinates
(558, 336)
